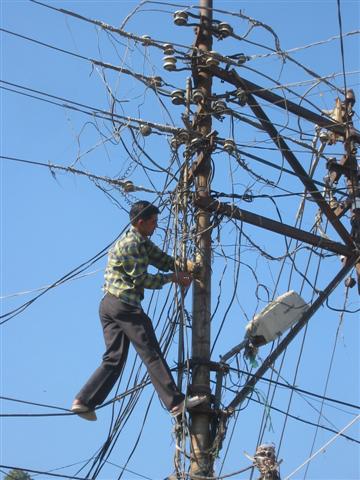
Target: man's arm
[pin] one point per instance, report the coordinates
(159, 259)
(165, 262)
(134, 266)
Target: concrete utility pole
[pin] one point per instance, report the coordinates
(200, 463)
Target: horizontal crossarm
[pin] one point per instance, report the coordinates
(267, 223)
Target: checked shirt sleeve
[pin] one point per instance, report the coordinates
(160, 259)
(134, 264)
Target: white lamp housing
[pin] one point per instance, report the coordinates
(277, 317)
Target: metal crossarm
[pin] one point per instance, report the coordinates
(269, 224)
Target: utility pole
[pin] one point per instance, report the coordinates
(200, 463)
(207, 424)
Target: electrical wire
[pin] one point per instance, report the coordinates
(251, 185)
(40, 289)
(324, 447)
(294, 417)
(341, 36)
(93, 111)
(300, 390)
(142, 78)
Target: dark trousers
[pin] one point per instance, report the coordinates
(123, 323)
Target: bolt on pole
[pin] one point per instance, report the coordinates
(200, 462)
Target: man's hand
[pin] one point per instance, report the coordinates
(194, 268)
(182, 278)
(191, 267)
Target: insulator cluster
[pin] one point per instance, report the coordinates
(221, 30)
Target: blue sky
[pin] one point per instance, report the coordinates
(52, 222)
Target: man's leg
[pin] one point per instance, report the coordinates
(99, 385)
(140, 331)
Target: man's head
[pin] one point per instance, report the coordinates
(143, 216)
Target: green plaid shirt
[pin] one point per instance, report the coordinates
(126, 274)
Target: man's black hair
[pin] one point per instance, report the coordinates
(143, 210)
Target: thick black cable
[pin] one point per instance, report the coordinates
(247, 197)
(94, 111)
(66, 410)
(278, 167)
(85, 265)
(141, 78)
(43, 44)
(294, 417)
(40, 472)
(51, 474)
(109, 28)
(127, 470)
(300, 390)
(302, 420)
(26, 402)
(341, 43)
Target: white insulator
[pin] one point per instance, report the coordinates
(229, 145)
(350, 97)
(180, 18)
(323, 136)
(168, 49)
(183, 136)
(241, 59)
(276, 318)
(211, 62)
(265, 461)
(156, 81)
(225, 30)
(198, 96)
(169, 63)
(240, 92)
(128, 186)
(145, 39)
(174, 144)
(145, 130)
(212, 59)
(219, 106)
(194, 141)
(356, 203)
(178, 97)
(241, 96)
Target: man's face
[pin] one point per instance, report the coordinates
(147, 227)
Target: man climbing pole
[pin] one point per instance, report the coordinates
(124, 321)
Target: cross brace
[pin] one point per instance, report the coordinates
(249, 386)
(298, 169)
(232, 211)
(233, 78)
